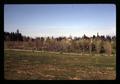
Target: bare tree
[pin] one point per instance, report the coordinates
(108, 48)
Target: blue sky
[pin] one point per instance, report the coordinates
(60, 19)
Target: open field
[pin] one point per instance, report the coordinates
(29, 65)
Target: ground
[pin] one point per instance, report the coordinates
(29, 65)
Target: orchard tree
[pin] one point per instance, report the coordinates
(98, 46)
(108, 48)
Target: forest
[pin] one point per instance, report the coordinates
(97, 44)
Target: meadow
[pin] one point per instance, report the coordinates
(44, 65)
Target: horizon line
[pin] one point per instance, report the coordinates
(45, 36)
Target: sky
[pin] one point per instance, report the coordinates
(36, 20)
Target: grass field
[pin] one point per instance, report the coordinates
(28, 65)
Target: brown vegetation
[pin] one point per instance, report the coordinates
(96, 44)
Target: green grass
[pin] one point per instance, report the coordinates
(27, 65)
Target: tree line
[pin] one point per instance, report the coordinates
(95, 44)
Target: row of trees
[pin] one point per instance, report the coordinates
(96, 44)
